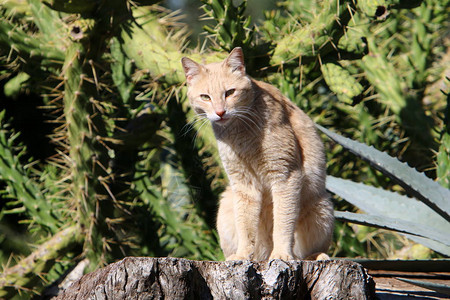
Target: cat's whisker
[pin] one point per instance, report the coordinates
(247, 115)
(249, 127)
(187, 128)
(205, 121)
(191, 125)
(250, 112)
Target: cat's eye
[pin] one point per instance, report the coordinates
(229, 92)
(205, 97)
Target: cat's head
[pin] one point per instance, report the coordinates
(219, 91)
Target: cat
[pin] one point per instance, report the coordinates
(276, 205)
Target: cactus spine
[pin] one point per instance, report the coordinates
(84, 132)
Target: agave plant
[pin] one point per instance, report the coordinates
(424, 218)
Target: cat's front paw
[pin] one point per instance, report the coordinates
(322, 256)
(282, 256)
(317, 256)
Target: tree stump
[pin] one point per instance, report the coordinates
(177, 278)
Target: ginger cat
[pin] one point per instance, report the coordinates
(276, 205)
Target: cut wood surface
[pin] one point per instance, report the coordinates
(390, 287)
(388, 275)
(176, 278)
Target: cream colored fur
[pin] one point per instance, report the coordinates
(276, 205)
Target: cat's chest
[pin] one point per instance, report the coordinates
(241, 152)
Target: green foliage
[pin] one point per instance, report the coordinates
(22, 275)
(428, 224)
(443, 156)
(379, 202)
(341, 82)
(316, 38)
(233, 28)
(21, 186)
(15, 84)
(417, 184)
(129, 174)
(443, 160)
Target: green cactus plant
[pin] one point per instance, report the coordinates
(22, 276)
(341, 82)
(316, 38)
(443, 160)
(374, 8)
(21, 183)
(233, 28)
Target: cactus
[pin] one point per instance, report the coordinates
(374, 8)
(233, 28)
(317, 37)
(128, 173)
(85, 129)
(157, 51)
(353, 41)
(341, 82)
(22, 275)
(21, 182)
(443, 156)
(443, 161)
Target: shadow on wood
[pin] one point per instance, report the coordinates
(176, 278)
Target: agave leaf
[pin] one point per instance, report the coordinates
(380, 202)
(440, 288)
(377, 201)
(394, 224)
(417, 184)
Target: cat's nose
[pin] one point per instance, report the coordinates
(220, 113)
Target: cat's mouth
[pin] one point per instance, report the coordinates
(222, 121)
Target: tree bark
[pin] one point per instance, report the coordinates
(177, 278)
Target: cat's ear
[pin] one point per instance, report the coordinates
(236, 60)
(191, 68)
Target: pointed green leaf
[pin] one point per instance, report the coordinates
(376, 201)
(401, 226)
(415, 183)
